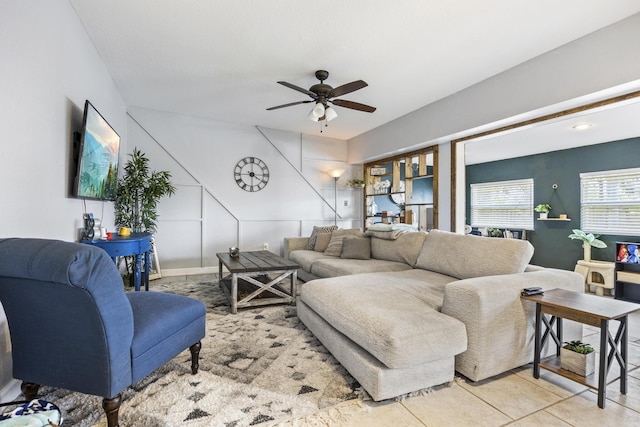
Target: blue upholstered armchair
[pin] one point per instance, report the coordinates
(73, 326)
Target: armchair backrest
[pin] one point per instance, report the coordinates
(70, 322)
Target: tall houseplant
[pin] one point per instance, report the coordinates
(139, 191)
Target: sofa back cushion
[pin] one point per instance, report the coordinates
(335, 244)
(467, 256)
(322, 241)
(405, 248)
(356, 247)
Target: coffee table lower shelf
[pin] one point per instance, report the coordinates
(552, 364)
(251, 295)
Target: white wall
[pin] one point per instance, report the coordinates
(209, 212)
(49, 67)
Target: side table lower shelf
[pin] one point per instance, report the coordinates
(552, 364)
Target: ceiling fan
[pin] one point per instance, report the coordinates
(322, 95)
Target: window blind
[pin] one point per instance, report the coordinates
(503, 204)
(610, 202)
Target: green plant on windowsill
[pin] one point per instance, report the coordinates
(494, 232)
(579, 347)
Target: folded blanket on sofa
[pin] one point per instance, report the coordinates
(387, 235)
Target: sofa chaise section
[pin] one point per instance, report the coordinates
(394, 348)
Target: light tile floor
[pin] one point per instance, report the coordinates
(516, 398)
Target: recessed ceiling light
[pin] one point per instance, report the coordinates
(581, 126)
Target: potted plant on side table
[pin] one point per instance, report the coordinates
(578, 357)
(137, 196)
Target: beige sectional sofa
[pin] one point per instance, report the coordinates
(423, 305)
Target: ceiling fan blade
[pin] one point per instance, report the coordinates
(288, 105)
(299, 89)
(347, 88)
(353, 105)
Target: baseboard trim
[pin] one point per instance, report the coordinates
(188, 271)
(10, 391)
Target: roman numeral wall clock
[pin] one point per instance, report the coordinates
(251, 174)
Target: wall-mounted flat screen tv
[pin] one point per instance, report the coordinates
(97, 172)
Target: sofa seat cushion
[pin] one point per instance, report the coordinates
(467, 256)
(332, 267)
(156, 334)
(404, 331)
(305, 258)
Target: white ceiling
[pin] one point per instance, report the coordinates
(221, 59)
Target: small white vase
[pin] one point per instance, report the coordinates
(543, 215)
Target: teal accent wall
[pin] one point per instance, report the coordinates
(552, 246)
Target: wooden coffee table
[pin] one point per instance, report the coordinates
(254, 270)
(590, 310)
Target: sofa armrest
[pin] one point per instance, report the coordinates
(293, 244)
(500, 326)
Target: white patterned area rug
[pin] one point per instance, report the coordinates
(258, 367)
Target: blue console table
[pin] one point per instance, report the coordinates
(137, 244)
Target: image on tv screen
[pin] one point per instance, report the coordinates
(97, 175)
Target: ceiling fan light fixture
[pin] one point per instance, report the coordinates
(312, 116)
(318, 110)
(330, 113)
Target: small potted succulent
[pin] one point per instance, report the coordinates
(578, 357)
(543, 209)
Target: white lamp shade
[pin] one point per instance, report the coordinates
(318, 110)
(330, 114)
(312, 116)
(336, 173)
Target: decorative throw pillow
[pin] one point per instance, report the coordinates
(322, 241)
(356, 248)
(319, 230)
(335, 244)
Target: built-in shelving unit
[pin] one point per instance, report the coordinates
(407, 181)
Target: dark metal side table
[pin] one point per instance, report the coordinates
(591, 310)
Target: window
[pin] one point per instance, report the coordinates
(610, 202)
(503, 204)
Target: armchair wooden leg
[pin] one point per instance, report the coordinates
(195, 356)
(111, 407)
(30, 390)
